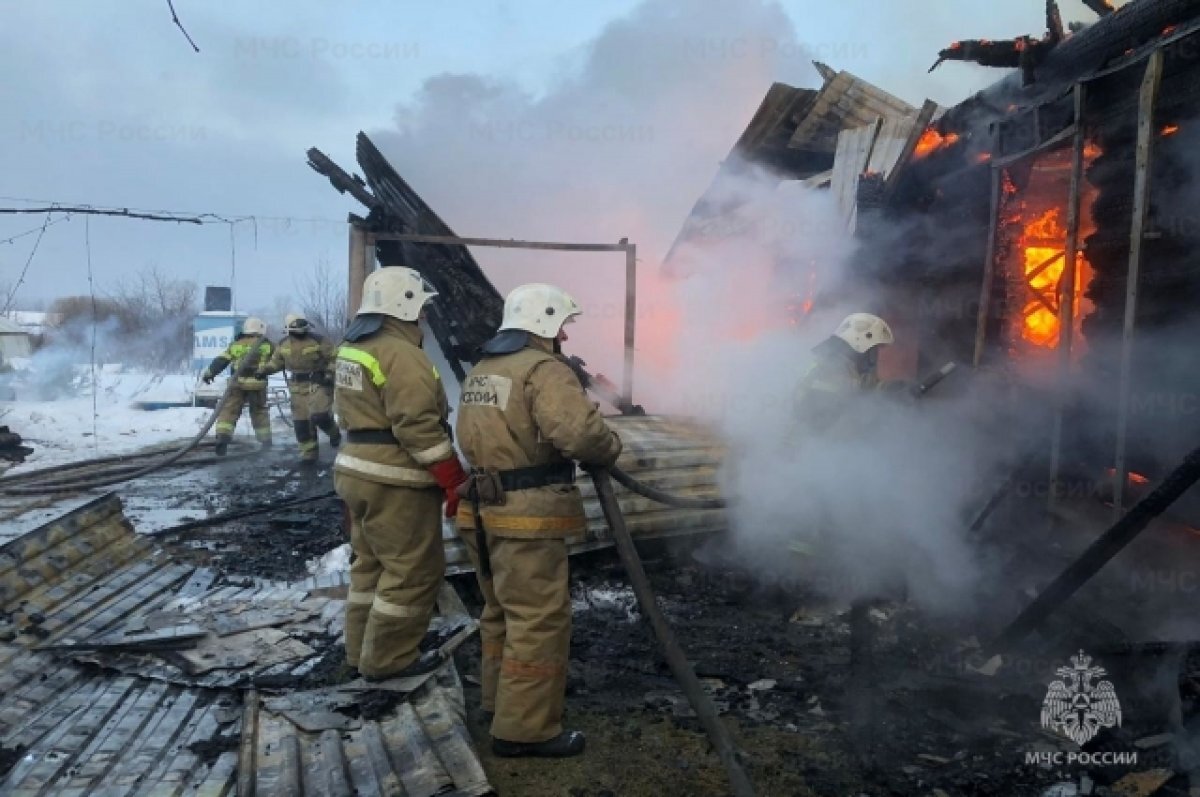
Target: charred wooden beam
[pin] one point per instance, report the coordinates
(1055, 31)
(340, 179)
(1024, 52)
(1101, 7)
(1146, 135)
(1098, 554)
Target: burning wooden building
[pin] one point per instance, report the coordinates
(1043, 229)
(1055, 207)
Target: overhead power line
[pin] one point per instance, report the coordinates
(122, 212)
(11, 294)
(175, 19)
(31, 232)
(207, 217)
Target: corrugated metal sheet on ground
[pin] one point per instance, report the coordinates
(87, 732)
(160, 717)
(304, 745)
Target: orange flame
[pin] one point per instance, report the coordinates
(1169, 29)
(1132, 476)
(983, 157)
(1041, 323)
(1043, 261)
(1170, 130)
(931, 141)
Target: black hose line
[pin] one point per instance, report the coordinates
(680, 666)
(237, 514)
(679, 502)
(67, 485)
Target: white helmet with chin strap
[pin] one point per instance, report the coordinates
(295, 321)
(864, 331)
(254, 326)
(396, 291)
(539, 308)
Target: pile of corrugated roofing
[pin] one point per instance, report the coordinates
(120, 669)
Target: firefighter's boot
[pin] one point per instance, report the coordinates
(222, 446)
(565, 745)
(428, 661)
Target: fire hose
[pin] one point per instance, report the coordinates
(70, 484)
(237, 514)
(676, 658)
(654, 494)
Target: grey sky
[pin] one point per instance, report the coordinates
(524, 118)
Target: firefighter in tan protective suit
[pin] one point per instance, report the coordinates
(523, 420)
(245, 356)
(309, 360)
(846, 365)
(844, 373)
(395, 468)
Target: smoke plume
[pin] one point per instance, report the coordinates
(621, 145)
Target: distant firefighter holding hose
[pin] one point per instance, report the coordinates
(245, 356)
(846, 363)
(309, 361)
(523, 421)
(396, 467)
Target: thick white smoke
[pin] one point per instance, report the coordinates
(872, 508)
(620, 146)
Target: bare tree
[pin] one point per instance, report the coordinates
(322, 297)
(155, 312)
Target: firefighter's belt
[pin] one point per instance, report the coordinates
(308, 376)
(537, 476)
(372, 437)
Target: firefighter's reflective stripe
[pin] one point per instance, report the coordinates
(386, 471)
(435, 454)
(518, 523)
(364, 359)
(362, 598)
(395, 609)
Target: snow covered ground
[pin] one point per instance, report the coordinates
(73, 426)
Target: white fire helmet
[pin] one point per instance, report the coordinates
(396, 291)
(254, 326)
(864, 331)
(295, 320)
(539, 308)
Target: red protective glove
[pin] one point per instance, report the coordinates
(449, 474)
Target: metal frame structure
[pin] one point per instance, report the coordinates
(362, 242)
